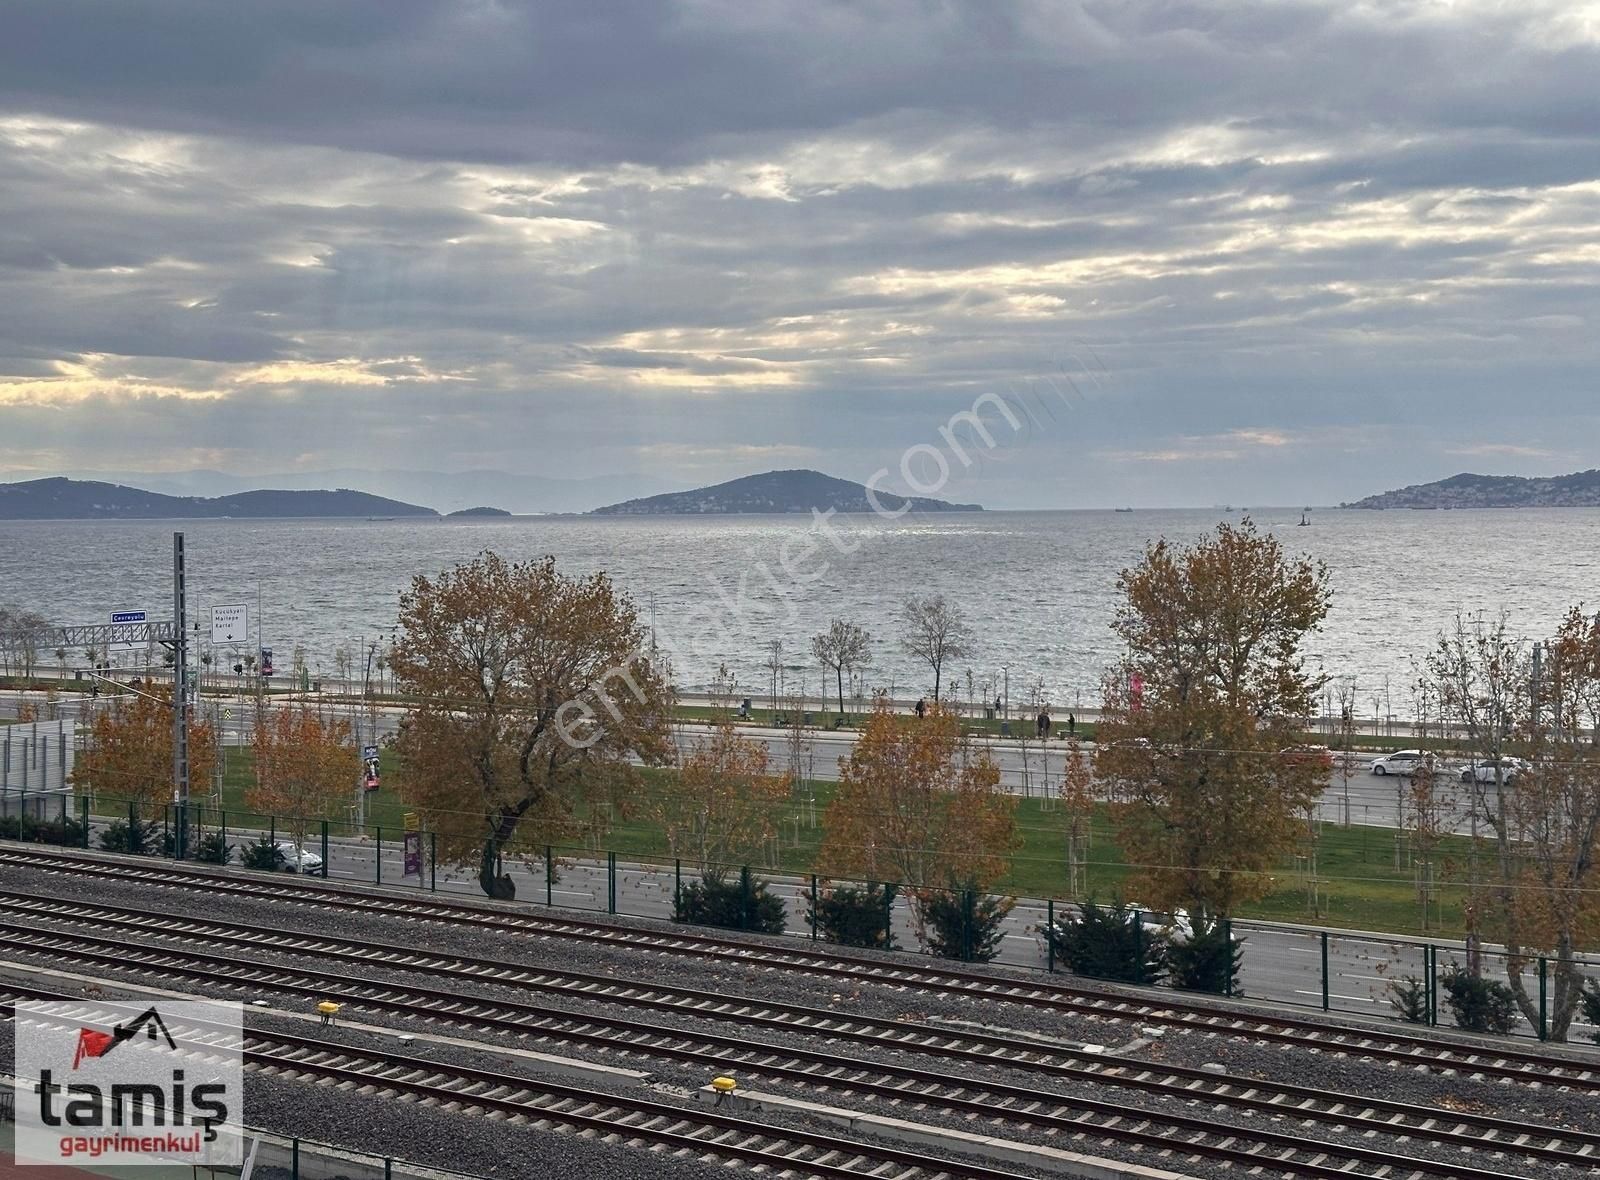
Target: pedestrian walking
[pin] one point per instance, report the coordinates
(1043, 724)
(1072, 725)
(922, 706)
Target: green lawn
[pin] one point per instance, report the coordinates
(1360, 885)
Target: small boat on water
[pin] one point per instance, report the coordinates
(1124, 509)
(1304, 519)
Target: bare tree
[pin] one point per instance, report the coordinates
(934, 631)
(842, 646)
(1347, 760)
(21, 632)
(1541, 817)
(775, 667)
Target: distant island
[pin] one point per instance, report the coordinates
(75, 499)
(479, 512)
(1580, 490)
(777, 492)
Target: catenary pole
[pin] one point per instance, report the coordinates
(180, 698)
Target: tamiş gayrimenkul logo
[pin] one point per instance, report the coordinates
(129, 1084)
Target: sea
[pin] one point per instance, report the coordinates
(1039, 588)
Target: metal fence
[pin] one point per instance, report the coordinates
(1336, 971)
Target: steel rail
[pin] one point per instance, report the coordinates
(1075, 1114)
(1172, 1010)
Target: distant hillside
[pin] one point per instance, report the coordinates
(444, 490)
(776, 491)
(1581, 490)
(479, 512)
(72, 499)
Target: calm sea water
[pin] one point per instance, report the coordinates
(1039, 587)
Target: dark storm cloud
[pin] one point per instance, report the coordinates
(1267, 240)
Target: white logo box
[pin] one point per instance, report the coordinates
(154, 1083)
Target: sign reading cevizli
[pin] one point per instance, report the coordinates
(155, 1084)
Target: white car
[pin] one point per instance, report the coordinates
(1175, 926)
(1405, 762)
(294, 859)
(1484, 772)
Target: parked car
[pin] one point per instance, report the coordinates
(1176, 925)
(1406, 762)
(1319, 756)
(294, 859)
(1484, 772)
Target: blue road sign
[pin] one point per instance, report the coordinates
(128, 616)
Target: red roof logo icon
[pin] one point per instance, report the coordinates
(93, 1043)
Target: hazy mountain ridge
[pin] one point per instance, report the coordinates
(1466, 490)
(445, 490)
(71, 499)
(776, 492)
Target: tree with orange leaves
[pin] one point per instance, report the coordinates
(532, 694)
(306, 767)
(917, 805)
(129, 755)
(723, 806)
(1200, 720)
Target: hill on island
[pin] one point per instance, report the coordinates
(777, 492)
(74, 499)
(1579, 490)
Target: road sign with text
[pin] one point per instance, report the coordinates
(230, 624)
(127, 616)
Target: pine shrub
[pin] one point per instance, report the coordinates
(742, 903)
(1208, 961)
(965, 924)
(1479, 1004)
(854, 915)
(262, 854)
(1590, 1001)
(133, 836)
(1109, 942)
(1408, 996)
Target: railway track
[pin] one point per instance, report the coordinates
(1469, 1136)
(1172, 1010)
(687, 1132)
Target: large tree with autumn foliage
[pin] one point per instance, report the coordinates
(531, 693)
(1534, 864)
(723, 806)
(918, 805)
(306, 767)
(129, 753)
(1200, 718)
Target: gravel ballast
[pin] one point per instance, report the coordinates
(1241, 1057)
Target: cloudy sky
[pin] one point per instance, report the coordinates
(1252, 253)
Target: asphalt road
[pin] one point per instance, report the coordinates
(1026, 769)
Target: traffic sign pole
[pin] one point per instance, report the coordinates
(180, 699)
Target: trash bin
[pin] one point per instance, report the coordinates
(1005, 729)
(316, 686)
